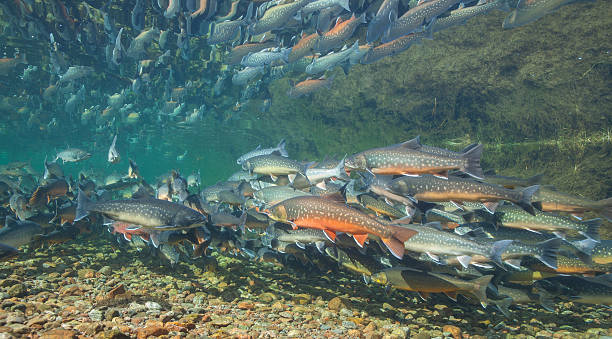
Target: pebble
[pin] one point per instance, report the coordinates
(106, 270)
(95, 314)
(349, 324)
(151, 305)
(17, 290)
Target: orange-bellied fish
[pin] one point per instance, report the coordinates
(309, 86)
(332, 217)
(341, 32)
(306, 46)
(556, 201)
(404, 159)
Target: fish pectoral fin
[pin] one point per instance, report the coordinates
(458, 205)
(395, 246)
(331, 235)
(360, 238)
(133, 228)
(293, 225)
(441, 175)
(514, 263)
(127, 236)
(452, 295)
(464, 260)
(491, 206)
(423, 295)
(578, 215)
(433, 256)
(300, 245)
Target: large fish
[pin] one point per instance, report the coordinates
(433, 189)
(147, 213)
(332, 217)
(228, 30)
(265, 57)
(528, 11)
(413, 20)
(553, 200)
(274, 194)
(394, 47)
(428, 239)
(424, 283)
(404, 159)
(461, 15)
(7, 252)
(512, 216)
(305, 46)
(274, 165)
(323, 4)
(277, 16)
(279, 149)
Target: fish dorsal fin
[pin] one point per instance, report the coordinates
(452, 295)
(412, 143)
(339, 21)
(436, 224)
(336, 197)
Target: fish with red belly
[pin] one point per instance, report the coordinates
(332, 217)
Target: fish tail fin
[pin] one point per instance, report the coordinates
(38, 197)
(548, 252)
(472, 162)
(592, 228)
(345, 4)
(585, 246)
(339, 169)
(503, 306)
(497, 249)
(249, 13)
(396, 242)
(479, 288)
(605, 209)
(83, 204)
(281, 148)
(546, 300)
(525, 199)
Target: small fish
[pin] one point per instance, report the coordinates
(265, 57)
(323, 4)
(75, 72)
(72, 155)
(342, 31)
(279, 149)
(113, 154)
(273, 165)
(309, 86)
(276, 17)
(245, 75)
(118, 51)
(395, 46)
(138, 15)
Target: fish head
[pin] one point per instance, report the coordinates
(247, 166)
(277, 212)
(355, 162)
(380, 278)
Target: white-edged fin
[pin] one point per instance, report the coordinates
(411, 175)
(133, 228)
(482, 265)
(162, 227)
(514, 263)
(320, 246)
(300, 245)
(433, 256)
(154, 237)
(367, 279)
(464, 260)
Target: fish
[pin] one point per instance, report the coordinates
(74, 73)
(118, 50)
(226, 31)
(342, 31)
(433, 189)
(274, 194)
(275, 17)
(138, 46)
(353, 261)
(58, 236)
(597, 291)
(380, 207)
(72, 155)
(309, 86)
(462, 15)
(394, 47)
(332, 217)
(113, 154)
(432, 240)
(305, 46)
(279, 149)
(240, 51)
(512, 182)
(415, 18)
(553, 200)
(146, 213)
(7, 65)
(512, 216)
(278, 237)
(265, 57)
(273, 165)
(332, 60)
(424, 283)
(19, 205)
(386, 14)
(316, 175)
(7, 252)
(17, 233)
(245, 75)
(602, 253)
(138, 15)
(521, 296)
(173, 8)
(403, 159)
(51, 190)
(322, 4)
(530, 11)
